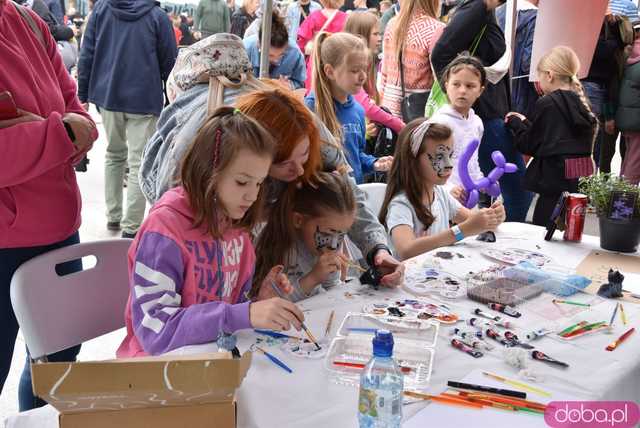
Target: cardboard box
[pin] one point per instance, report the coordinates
(195, 391)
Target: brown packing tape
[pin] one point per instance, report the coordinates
(596, 267)
(138, 383)
(221, 415)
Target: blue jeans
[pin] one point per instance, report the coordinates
(516, 199)
(10, 260)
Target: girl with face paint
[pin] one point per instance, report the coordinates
(417, 210)
(305, 232)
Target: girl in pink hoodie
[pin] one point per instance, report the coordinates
(39, 197)
(192, 263)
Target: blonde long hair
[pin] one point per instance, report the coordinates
(407, 11)
(334, 50)
(362, 24)
(563, 62)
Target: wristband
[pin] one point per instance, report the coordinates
(69, 129)
(457, 233)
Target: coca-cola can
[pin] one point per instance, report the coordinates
(576, 212)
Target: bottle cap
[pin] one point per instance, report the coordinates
(383, 343)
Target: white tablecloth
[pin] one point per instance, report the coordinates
(269, 397)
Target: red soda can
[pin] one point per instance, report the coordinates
(576, 212)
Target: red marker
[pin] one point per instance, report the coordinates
(621, 339)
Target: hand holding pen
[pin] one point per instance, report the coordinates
(273, 310)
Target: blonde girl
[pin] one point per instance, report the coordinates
(340, 71)
(559, 135)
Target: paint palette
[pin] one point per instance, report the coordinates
(431, 280)
(410, 312)
(302, 349)
(513, 256)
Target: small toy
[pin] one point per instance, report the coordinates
(612, 289)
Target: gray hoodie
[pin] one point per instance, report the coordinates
(177, 128)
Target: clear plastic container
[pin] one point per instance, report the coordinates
(413, 351)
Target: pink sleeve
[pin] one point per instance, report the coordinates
(376, 114)
(43, 144)
(306, 31)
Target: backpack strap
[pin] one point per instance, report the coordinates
(31, 23)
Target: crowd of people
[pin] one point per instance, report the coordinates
(254, 182)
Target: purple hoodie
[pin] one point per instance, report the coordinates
(186, 286)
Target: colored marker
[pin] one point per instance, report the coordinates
(498, 338)
(621, 339)
(511, 337)
(467, 349)
(490, 389)
(541, 356)
(403, 369)
(467, 333)
(613, 316)
(474, 343)
(622, 314)
(569, 302)
(505, 309)
(537, 334)
(572, 328)
(517, 384)
(586, 328)
(275, 360)
(486, 315)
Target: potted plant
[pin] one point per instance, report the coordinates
(617, 203)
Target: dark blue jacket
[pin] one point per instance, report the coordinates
(523, 92)
(128, 50)
(351, 117)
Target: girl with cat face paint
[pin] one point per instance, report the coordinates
(305, 233)
(417, 209)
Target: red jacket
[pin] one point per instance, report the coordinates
(39, 196)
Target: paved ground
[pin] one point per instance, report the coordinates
(93, 228)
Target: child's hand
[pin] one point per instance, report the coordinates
(459, 194)
(481, 221)
(275, 314)
(498, 209)
(516, 114)
(383, 164)
(281, 281)
(328, 263)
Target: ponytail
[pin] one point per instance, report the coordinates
(579, 90)
(322, 88)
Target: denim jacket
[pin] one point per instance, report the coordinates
(177, 127)
(293, 18)
(291, 64)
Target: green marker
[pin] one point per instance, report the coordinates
(573, 327)
(569, 302)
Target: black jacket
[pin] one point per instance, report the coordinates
(458, 36)
(59, 31)
(561, 128)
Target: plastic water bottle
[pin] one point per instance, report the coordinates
(381, 386)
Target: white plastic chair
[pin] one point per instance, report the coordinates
(57, 312)
(375, 195)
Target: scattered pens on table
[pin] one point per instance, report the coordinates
(569, 302)
(621, 339)
(622, 314)
(274, 359)
(443, 400)
(517, 384)
(613, 316)
(329, 322)
(304, 327)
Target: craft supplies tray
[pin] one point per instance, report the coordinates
(506, 291)
(413, 350)
(410, 312)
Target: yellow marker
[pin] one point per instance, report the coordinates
(517, 384)
(623, 315)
